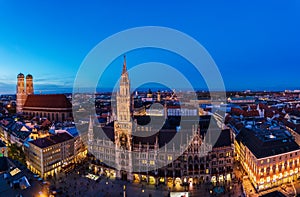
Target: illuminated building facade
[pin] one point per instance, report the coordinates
(222, 157)
(153, 159)
(269, 155)
(23, 92)
(50, 155)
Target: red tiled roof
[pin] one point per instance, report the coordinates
(47, 101)
(251, 113)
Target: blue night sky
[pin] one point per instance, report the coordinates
(255, 44)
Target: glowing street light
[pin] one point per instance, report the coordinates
(41, 194)
(124, 190)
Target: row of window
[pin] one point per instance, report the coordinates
(274, 159)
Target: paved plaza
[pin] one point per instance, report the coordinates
(77, 184)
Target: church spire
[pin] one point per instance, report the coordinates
(90, 130)
(124, 65)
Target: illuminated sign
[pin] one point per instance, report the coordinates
(179, 194)
(15, 171)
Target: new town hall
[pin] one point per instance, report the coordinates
(152, 155)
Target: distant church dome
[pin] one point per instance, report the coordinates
(29, 76)
(21, 75)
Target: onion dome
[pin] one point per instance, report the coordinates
(20, 75)
(29, 76)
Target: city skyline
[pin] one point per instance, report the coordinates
(254, 46)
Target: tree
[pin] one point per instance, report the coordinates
(15, 152)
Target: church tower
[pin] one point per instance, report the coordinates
(21, 94)
(90, 138)
(29, 84)
(123, 128)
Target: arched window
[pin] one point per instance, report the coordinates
(196, 167)
(196, 159)
(190, 159)
(122, 163)
(122, 156)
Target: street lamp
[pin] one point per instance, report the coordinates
(185, 183)
(124, 190)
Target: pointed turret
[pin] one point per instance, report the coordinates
(124, 65)
(90, 131)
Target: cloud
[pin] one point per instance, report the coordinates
(52, 88)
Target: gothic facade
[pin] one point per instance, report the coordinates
(123, 129)
(154, 159)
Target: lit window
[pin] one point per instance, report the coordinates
(262, 181)
(170, 158)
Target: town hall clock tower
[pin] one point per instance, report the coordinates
(123, 129)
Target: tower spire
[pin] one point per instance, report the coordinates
(90, 130)
(124, 65)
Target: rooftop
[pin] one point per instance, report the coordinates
(266, 142)
(225, 139)
(51, 140)
(47, 101)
